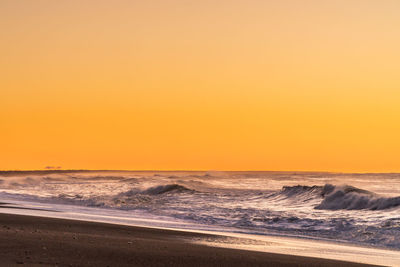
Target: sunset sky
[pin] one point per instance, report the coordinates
(205, 85)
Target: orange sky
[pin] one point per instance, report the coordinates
(226, 85)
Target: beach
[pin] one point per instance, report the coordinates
(38, 241)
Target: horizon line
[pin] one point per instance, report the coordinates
(185, 170)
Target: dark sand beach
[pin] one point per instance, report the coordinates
(38, 241)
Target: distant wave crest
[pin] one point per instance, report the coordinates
(162, 189)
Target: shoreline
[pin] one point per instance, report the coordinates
(38, 241)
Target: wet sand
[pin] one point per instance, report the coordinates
(38, 241)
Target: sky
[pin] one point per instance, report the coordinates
(200, 85)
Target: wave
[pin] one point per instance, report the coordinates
(299, 194)
(156, 190)
(169, 188)
(292, 191)
(351, 198)
(338, 197)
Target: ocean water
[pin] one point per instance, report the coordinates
(353, 208)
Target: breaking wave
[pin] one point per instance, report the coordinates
(352, 198)
(340, 197)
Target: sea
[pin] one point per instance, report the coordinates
(352, 208)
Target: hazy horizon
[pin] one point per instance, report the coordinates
(184, 170)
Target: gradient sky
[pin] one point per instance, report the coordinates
(225, 85)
